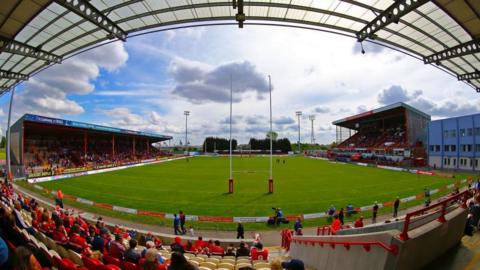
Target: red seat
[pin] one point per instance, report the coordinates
(108, 267)
(131, 266)
(64, 264)
(91, 263)
(107, 259)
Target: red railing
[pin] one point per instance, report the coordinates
(327, 230)
(347, 244)
(463, 196)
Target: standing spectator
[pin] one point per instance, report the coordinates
(240, 231)
(182, 221)
(374, 213)
(341, 215)
(117, 249)
(60, 198)
(396, 204)
(131, 255)
(297, 227)
(243, 251)
(191, 231)
(176, 224)
(336, 225)
(358, 223)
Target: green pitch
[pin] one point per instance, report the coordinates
(2, 154)
(199, 186)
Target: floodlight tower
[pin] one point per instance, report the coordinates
(299, 114)
(186, 113)
(312, 118)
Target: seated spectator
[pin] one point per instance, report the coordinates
(336, 225)
(177, 245)
(243, 251)
(60, 234)
(98, 243)
(151, 262)
(25, 260)
(179, 262)
(258, 253)
(131, 255)
(77, 242)
(358, 223)
(217, 249)
(148, 245)
(230, 250)
(190, 247)
(200, 244)
(293, 265)
(117, 249)
(276, 264)
(3, 253)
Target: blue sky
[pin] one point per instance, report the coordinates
(147, 83)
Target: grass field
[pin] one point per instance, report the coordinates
(302, 185)
(2, 154)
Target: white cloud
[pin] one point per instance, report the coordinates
(199, 83)
(48, 93)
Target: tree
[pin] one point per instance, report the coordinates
(274, 135)
(3, 142)
(212, 144)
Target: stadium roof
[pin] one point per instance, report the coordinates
(80, 125)
(35, 34)
(350, 121)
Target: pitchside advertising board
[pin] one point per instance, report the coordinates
(75, 124)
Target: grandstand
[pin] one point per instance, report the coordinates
(47, 146)
(391, 135)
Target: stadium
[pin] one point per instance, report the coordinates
(104, 189)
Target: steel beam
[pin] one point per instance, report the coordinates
(391, 15)
(240, 16)
(86, 10)
(466, 48)
(469, 76)
(15, 47)
(12, 75)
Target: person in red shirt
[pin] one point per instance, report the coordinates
(336, 225)
(60, 198)
(190, 248)
(77, 242)
(258, 253)
(117, 249)
(217, 249)
(59, 234)
(358, 223)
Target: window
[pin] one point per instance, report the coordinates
(469, 132)
(453, 148)
(446, 148)
(477, 131)
(462, 132)
(445, 134)
(432, 148)
(454, 162)
(477, 147)
(445, 161)
(476, 162)
(437, 148)
(453, 133)
(469, 148)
